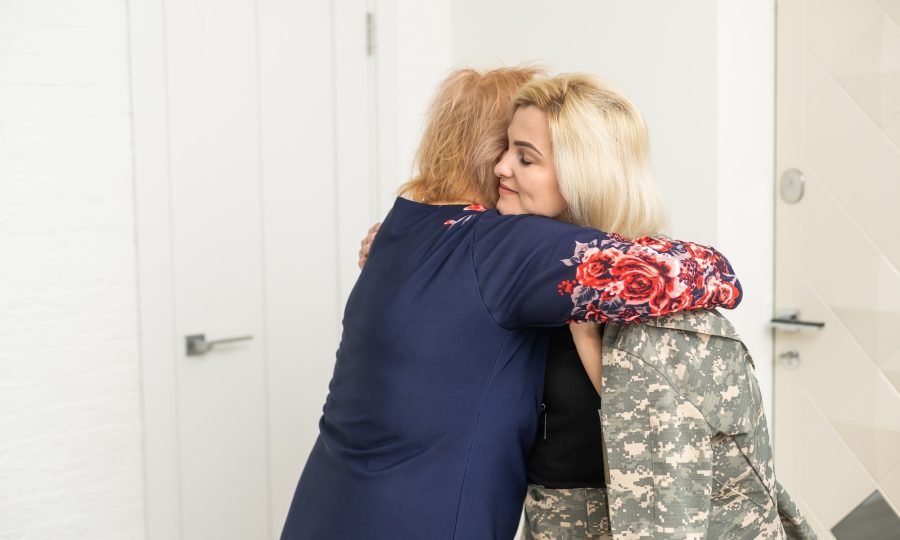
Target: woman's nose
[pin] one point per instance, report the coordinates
(501, 169)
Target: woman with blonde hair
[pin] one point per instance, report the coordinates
(433, 404)
(679, 447)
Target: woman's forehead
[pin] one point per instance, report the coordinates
(530, 124)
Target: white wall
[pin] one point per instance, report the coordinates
(70, 450)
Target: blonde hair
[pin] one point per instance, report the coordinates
(602, 154)
(465, 135)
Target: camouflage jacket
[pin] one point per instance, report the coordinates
(686, 443)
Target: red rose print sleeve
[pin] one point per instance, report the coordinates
(649, 277)
(585, 275)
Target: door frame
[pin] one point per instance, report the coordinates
(353, 83)
(155, 281)
(745, 172)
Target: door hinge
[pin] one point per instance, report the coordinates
(370, 34)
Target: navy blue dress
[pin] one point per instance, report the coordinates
(434, 400)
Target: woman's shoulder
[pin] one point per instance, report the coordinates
(530, 228)
(684, 338)
(702, 321)
(407, 213)
(697, 353)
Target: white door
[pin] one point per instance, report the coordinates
(246, 214)
(837, 404)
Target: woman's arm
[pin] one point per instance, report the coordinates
(605, 276)
(635, 280)
(589, 343)
(536, 272)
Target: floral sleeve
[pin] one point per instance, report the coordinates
(648, 277)
(529, 276)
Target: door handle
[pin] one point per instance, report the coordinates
(197, 345)
(790, 358)
(788, 319)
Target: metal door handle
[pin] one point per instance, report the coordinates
(790, 358)
(197, 344)
(788, 320)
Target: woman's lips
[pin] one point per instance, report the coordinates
(504, 189)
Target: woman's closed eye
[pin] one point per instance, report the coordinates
(522, 161)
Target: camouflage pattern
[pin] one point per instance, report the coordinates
(687, 445)
(565, 514)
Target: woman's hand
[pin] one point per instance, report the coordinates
(366, 245)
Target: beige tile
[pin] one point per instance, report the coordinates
(790, 75)
(871, 71)
(868, 419)
(816, 240)
(831, 360)
(891, 369)
(890, 489)
(837, 132)
(892, 8)
(870, 308)
(816, 76)
(812, 459)
(822, 532)
(833, 27)
(893, 131)
(868, 190)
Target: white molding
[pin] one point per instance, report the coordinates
(745, 169)
(355, 148)
(387, 110)
(154, 265)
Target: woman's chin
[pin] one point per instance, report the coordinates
(508, 208)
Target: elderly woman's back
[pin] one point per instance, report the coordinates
(434, 399)
(433, 404)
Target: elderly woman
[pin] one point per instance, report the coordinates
(436, 390)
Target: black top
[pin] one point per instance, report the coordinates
(568, 452)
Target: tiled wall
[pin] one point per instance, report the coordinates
(70, 418)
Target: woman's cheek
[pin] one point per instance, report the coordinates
(555, 201)
(544, 206)
(556, 206)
